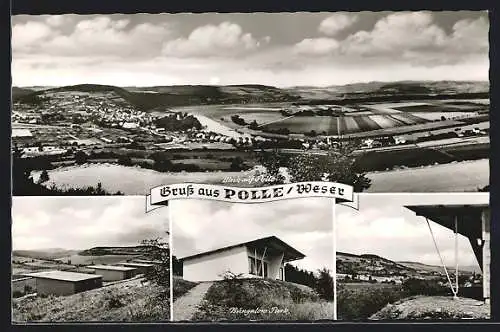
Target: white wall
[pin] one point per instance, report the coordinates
(211, 267)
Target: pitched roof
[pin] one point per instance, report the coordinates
(270, 242)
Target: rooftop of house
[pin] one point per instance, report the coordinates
(273, 245)
(64, 275)
(111, 267)
(136, 264)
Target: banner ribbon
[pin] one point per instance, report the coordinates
(160, 195)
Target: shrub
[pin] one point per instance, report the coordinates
(423, 287)
(361, 302)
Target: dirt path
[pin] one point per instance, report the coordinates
(186, 306)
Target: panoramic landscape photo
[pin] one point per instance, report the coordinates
(414, 257)
(89, 259)
(233, 262)
(117, 104)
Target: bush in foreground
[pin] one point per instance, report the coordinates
(262, 299)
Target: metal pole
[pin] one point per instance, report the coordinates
(262, 261)
(456, 256)
(255, 261)
(334, 230)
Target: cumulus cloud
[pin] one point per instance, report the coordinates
(470, 36)
(223, 39)
(57, 20)
(99, 35)
(84, 222)
(397, 32)
(316, 46)
(416, 36)
(149, 49)
(337, 22)
(27, 35)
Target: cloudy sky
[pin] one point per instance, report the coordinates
(383, 226)
(84, 222)
(280, 49)
(305, 224)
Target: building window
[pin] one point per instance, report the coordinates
(255, 267)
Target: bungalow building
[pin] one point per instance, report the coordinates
(470, 220)
(261, 258)
(142, 268)
(114, 273)
(64, 282)
(23, 285)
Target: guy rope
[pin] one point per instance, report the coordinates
(454, 290)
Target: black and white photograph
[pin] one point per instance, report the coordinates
(414, 257)
(89, 259)
(247, 262)
(119, 103)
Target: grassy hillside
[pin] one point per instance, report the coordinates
(262, 299)
(130, 301)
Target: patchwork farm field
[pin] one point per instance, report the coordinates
(357, 119)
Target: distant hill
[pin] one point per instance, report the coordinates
(149, 98)
(101, 251)
(17, 92)
(393, 90)
(426, 267)
(375, 265)
(182, 95)
(50, 253)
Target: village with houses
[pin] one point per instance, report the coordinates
(60, 129)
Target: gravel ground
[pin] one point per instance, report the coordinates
(434, 308)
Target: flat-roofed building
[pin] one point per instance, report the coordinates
(23, 285)
(114, 272)
(142, 268)
(147, 261)
(64, 283)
